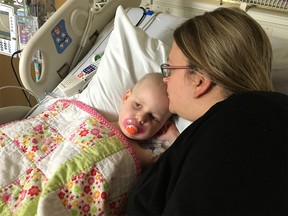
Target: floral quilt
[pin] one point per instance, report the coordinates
(68, 160)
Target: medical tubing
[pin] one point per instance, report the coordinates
(17, 78)
(146, 26)
(23, 89)
(142, 18)
(31, 111)
(84, 38)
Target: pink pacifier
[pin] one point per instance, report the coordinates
(132, 126)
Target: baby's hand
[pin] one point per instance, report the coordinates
(169, 132)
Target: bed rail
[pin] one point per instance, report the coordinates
(279, 4)
(59, 39)
(274, 19)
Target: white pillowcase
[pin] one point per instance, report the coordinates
(129, 55)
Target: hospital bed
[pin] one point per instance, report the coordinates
(118, 45)
(81, 23)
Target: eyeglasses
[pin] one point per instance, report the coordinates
(166, 69)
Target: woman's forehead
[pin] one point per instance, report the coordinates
(176, 56)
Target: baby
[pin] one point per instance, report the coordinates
(144, 114)
(70, 160)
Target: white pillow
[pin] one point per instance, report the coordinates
(129, 55)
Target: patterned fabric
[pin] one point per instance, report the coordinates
(67, 160)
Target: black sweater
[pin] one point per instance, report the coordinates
(231, 161)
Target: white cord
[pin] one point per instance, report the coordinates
(18, 87)
(147, 25)
(96, 7)
(83, 39)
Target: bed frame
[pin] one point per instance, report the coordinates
(56, 66)
(75, 13)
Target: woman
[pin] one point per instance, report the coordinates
(232, 160)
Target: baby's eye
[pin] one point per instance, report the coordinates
(152, 117)
(138, 105)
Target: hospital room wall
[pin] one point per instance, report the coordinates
(13, 97)
(10, 97)
(58, 3)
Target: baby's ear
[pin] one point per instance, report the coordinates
(127, 94)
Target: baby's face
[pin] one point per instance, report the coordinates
(144, 111)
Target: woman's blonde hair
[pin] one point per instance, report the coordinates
(229, 47)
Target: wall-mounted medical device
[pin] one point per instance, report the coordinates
(19, 21)
(27, 26)
(8, 29)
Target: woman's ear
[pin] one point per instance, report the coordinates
(202, 84)
(127, 94)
